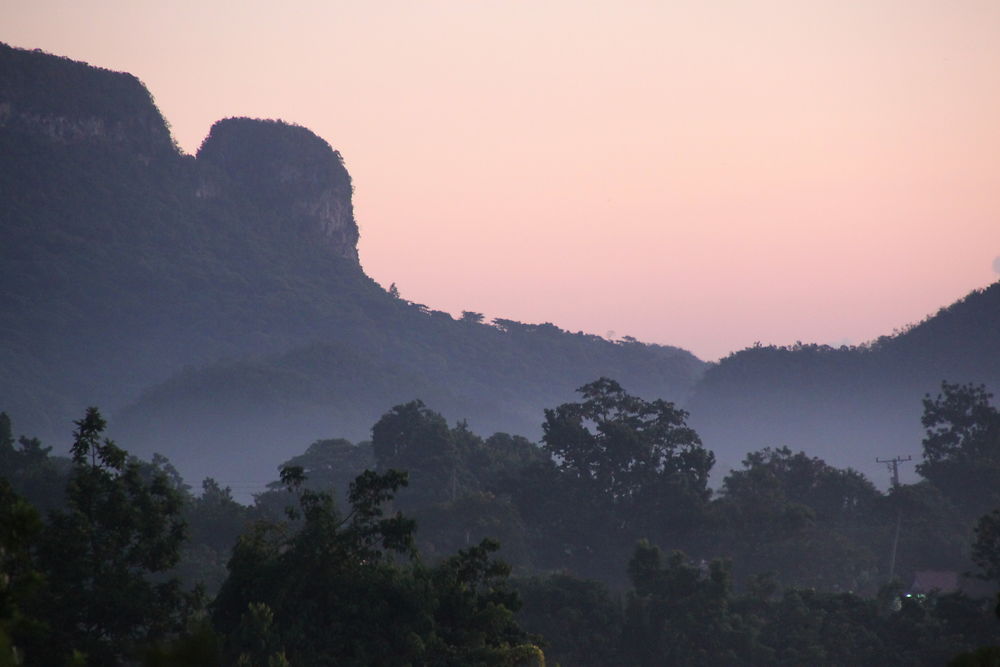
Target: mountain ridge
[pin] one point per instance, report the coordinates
(209, 301)
(126, 272)
(848, 405)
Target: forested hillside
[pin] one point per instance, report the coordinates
(847, 405)
(432, 490)
(216, 301)
(612, 550)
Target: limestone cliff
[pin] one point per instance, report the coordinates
(220, 295)
(71, 102)
(284, 169)
(295, 178)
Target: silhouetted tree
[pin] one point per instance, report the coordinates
(413, 438)
(349, 589)
(99, 554)
(962, 447)
(639, 456)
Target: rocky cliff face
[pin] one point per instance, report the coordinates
(286, 170)
(122, 260)
(103, 106)
(295, 178)
(220, 294)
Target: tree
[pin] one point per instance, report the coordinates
(986, 548)
(796, 515)
(332, 464)
(621, 468)
(620, 443)
(214, 522)
(100, 552)
(20, 581)
(215, 519)
(634, 454)
(6, 435)
(32, 473)
(678, 612)
(349, 589)
(986, 555)
(310, 578)
(448, 527)
(962, 425)
(772, 478)
(579, 619)
(474, 611)
(962, 447)
(413, 438)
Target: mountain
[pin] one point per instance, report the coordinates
(848, 405)
(215, 304)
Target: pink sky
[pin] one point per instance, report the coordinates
(701, 174)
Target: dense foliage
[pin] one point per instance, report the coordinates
(962, 447)
(621, 553)
(846, 404)
(230, 281)
(118, 526)
(317, 586)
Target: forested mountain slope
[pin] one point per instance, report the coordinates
(847, 405)
(216, 304)
(221, 296)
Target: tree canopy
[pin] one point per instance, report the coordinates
(962, 446)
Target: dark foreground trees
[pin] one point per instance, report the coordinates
(319, 576)
(629, 451)
(349, 589)
(684, 612)
(91, 585)
(97, 593)
(962, 447)
(619, 468)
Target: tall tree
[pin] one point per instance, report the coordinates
(20, 526)
(332, 464)
(797, 516)
(634, 454)
(678, 612)
(413, 438)
(772, 478)
(962, 447)
(349, 589)
(32, 473)
(100, 553)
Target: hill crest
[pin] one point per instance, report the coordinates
(139, 277)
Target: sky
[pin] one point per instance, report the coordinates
(706, 174)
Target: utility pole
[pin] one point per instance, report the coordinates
(893, 466)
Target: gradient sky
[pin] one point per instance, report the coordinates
(696, 173)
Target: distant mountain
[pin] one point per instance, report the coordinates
(216, 307)
(215, 304)
(848, 405)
